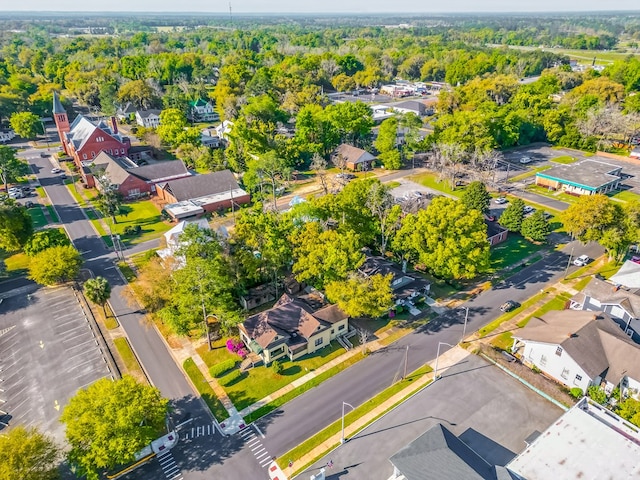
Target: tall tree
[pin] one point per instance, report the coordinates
(590, 216)
(28, 454)
(447, 238)
(50, 237)
(55, 265)
(387, 145)
(98, 291)
(108, 422)
(476, 197)
(174, 129)
(319, 166)
(513, 215)
(10, 167)
(26, 124)
(361, 296)
(16, 225)
(140, 94)
(109, 200)
(535, 227)
(270, 169)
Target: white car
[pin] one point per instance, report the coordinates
(56, 170)
(525, 160)
(528, 209)
(581, 261)
(500, 200)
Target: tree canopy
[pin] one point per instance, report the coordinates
(98, 291)
(361, 296)
(11, 168)
(50, 237)
(54, 265)
(476, 197)
(27, 454)
(16, 225)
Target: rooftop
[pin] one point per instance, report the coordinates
(585, 443)
(628, 275)
(200, 186)
(353, 154)
(588, 174)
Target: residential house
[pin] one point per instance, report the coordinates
(208, 140)
(83, 140)
(496, 233)
(7, 135)
(438, 454)
(580, 349)
(198, 194)
(131, 180)
(202, 111)
(583, 178)
(126, 112)
(294, 327)
(258, 296)
(623, 304)
(354, 158)
(406, 287)
(172, 239)
(148, 118)
(628, 276)
(224, 130)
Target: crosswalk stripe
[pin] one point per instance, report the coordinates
(262, 455)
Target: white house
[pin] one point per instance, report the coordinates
(623, 304)
(202, 111)
(7, 136)
(172, 239)
(148, 118)
(580, 349)
(224, 129)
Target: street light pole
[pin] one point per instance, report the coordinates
(342, 440)
(464, 329)
(566, 270)
(435, 374)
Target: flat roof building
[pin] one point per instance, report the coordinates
(583, 178)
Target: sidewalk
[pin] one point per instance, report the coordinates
(446, 360)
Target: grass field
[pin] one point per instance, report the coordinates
(564, 159)
(145, 214)
(586, 56)
(514, 249)
(557, 303)
(626, 196)
(129, 359)
(17, 264)
(37, 216)
(53, 214)
(430, 180)
(205, 390)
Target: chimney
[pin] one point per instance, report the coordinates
(114, 125)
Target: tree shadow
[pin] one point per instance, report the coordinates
(292, 370)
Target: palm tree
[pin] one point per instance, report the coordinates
(98, 291)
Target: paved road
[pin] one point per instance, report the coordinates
(307, 414)
(146, 342)
(490, 411)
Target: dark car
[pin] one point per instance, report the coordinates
(509, 305)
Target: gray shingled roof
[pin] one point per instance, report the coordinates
(353, 154)
(439, 455)
(161, 170)
(197, 186)
(608, 294)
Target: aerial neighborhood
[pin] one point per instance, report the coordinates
(319, 245)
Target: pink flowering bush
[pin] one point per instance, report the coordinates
(236, 346)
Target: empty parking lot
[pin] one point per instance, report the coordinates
(47, 352)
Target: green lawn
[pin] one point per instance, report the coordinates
(557, 303)
(529, 173)
(514, 249)
(504, 341)
(626, 196)
(41, 193)
(37, 216)
(52, 214)
(129, 359)
(205, 390)
(392, 184)
(430, 180)
(145, 214)
(17, 264)
(218, 354)
(565, 159)
(545, 192)
(259, 382)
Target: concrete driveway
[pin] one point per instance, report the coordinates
(489, 410)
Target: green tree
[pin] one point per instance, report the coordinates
(26, 124)
(352, 120)
(140, 94)
(629, 409)
(323, 256)
(597, 394)
(535, 227)
(109, 200)
(386, 143)
(476, 197)
(98, 291)
(513, 216)
(50, 237)
(28, 454)
(361, 296)
(55, 265)
(590, 216)
(107, 423)
(270, 169)
(447, 238)
(173, 128)
(10, 167)
(16, 225)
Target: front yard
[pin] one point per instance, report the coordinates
(511, 251)
(430, 180)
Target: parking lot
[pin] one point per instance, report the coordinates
(487, 409)
(47, 352)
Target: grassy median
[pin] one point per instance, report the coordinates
(205, 390)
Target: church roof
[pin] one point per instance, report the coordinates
(82, 128)
(57, 105)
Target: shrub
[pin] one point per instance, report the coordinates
(597, 394)
(276, 366)
(576, 392)
(236, 346)
(132, 229)
(221, 368)
(230, 377)
(535, 369)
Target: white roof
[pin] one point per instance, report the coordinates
(183, 209)
(176, 231)
(628, 275)
(586, 443)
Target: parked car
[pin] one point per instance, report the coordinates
(500, 200)
(15, 194)
(29, 204)
(56, 170)
(417, 194)
(525, 160)
(509, 305)
(345, 176)
(528, 209)
(581, 261)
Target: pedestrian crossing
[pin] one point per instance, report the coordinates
(258, 450)
(199, 431)
(169, 467)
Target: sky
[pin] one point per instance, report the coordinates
(322, 6)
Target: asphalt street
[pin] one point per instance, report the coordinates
(309, 413)
(487, 409)
(145, 340)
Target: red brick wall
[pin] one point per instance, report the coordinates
(132, 183)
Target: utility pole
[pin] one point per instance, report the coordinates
(406, 358)
(566, 270)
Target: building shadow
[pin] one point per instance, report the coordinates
(491, 451)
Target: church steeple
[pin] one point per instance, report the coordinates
(61, 119)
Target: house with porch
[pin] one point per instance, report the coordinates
(354, 158)
(583, 178)
(621, 303)
(202, 111)
(293, 327)
(148, 118)
(580, 349)
(405, 286)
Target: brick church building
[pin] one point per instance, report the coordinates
(83, 140)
